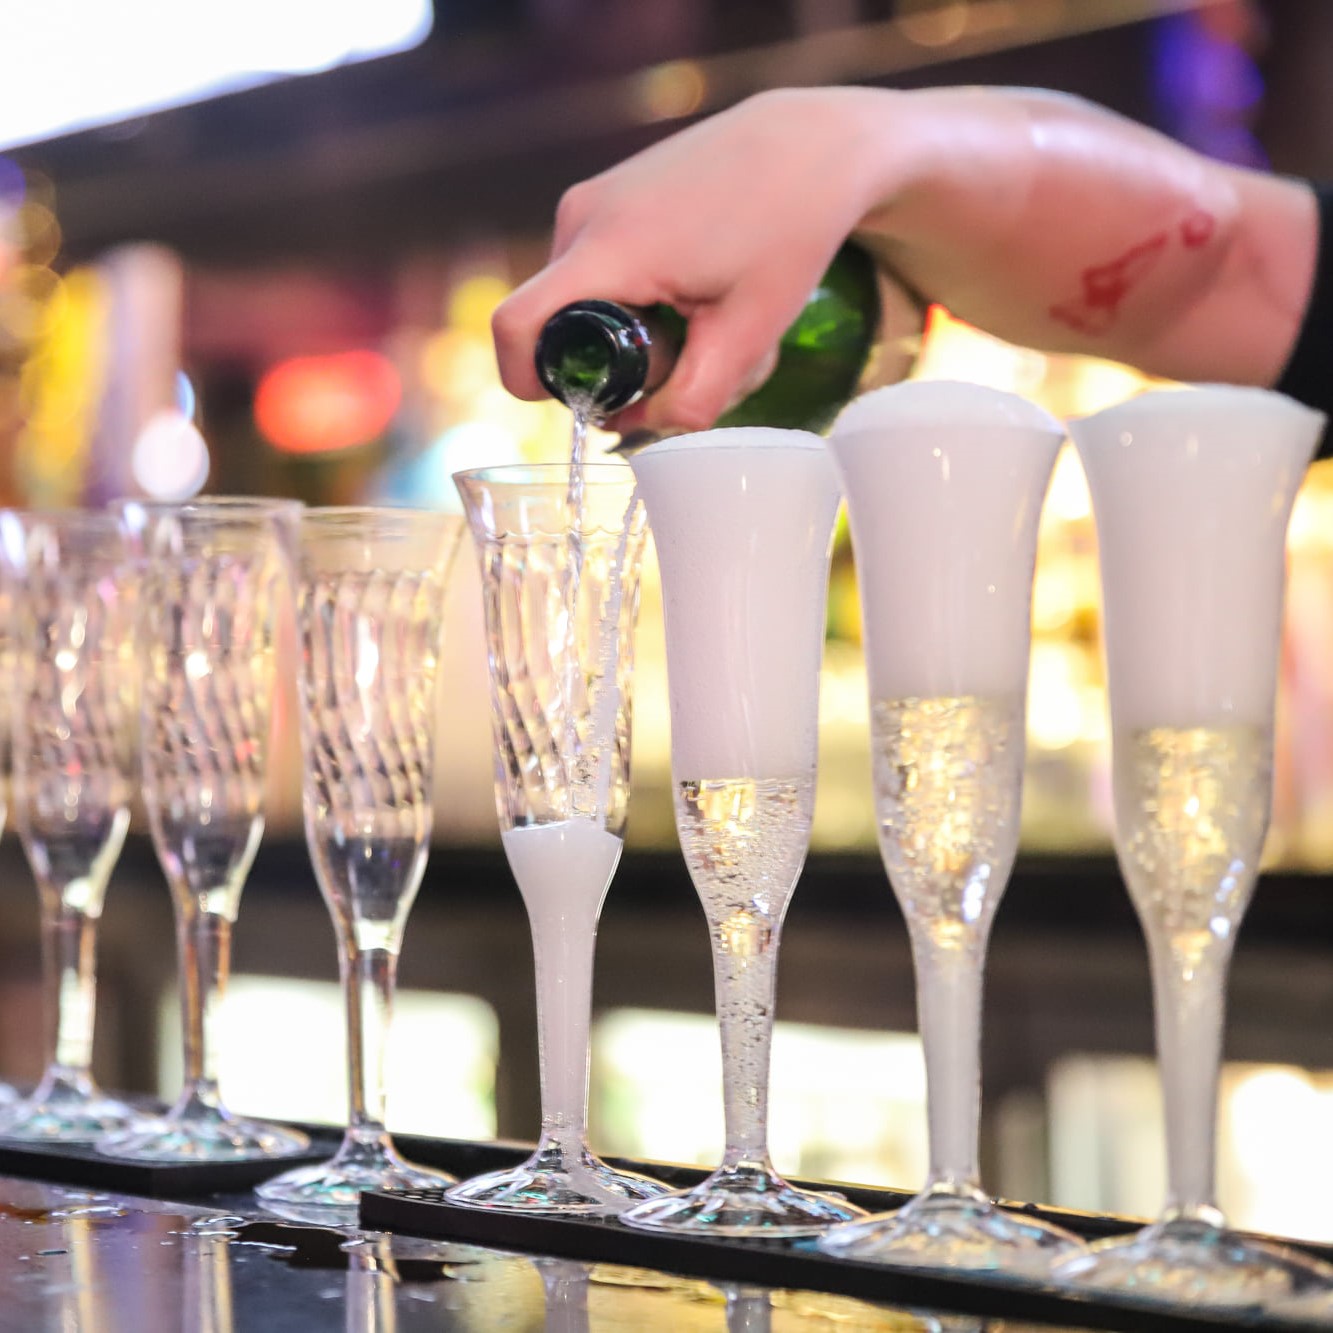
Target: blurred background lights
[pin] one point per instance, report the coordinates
(186, 399)
(472, 302)
(672, 90)
(427, 478)
(169, 460)
(11, 185)
(71, 64)
(320, 404)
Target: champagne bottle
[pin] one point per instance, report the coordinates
(599, 357)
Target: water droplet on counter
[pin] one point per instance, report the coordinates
(223, 1225)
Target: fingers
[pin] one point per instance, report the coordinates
(514, 327)
(575, 207)
(730, 349)
(581, 272)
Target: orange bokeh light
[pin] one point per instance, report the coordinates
(320, 404)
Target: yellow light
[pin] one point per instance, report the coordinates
(61, 387)
(1068, 496)
(473, 302)
(671, 90)
(1312, 516)
(935, 24)
(1101, 384)
(456, 364)
(24, 300)
(956, 350)
(1055, 702)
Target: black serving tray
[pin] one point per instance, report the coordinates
(791, 1263)
(78, 1164)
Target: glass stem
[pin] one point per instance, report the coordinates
(1189, 988)
(948, 1001)
(563, 945)
(369, 975)
(69, 942)
(204, 942)
(745, 977)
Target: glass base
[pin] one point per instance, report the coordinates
(1197, 1263)
(748, 1200)
(197, 1130)
(330, 1192)
(65, 1107)
(556, 1180)
(952, 1229)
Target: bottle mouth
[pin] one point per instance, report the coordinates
(593, 355)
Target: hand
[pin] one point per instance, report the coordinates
(1041, 218)
(732, 222)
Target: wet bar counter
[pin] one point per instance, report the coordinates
(86, 1259)
(96, 1262)
(81, 1261)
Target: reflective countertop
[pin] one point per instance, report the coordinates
(79, 1261)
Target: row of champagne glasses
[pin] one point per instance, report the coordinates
(944, 485)
(160, 621)
(1192, 491)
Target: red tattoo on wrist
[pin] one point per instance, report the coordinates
(1105, 286)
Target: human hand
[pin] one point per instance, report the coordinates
(732, 222)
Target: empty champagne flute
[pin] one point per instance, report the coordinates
(743, 523)
(944, 486)
(559, 550)
(1191, 492)
(214, 573)
(370, 602)
(73, 782)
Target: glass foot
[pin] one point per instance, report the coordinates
(968, 1231)
(65, 1107)
(1197, 1263)
(554, 1180)
(330, 1192)
(199, 1131)
(744, 1201)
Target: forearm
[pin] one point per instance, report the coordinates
(1055, 224)
(1038, 217)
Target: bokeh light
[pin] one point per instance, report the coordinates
(321, 404)
(672, 90)
(169, 460)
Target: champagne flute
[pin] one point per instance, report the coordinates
(1192, 490)
(214, 572)
(370, 601)
(743, 523)
(74, 777)
(944, 487)
(560, 550)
